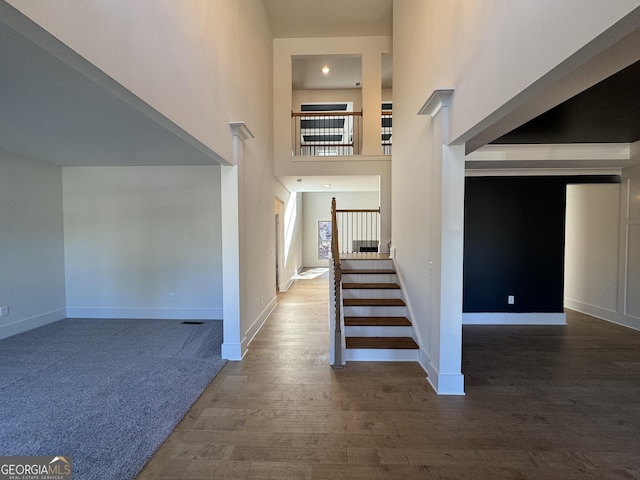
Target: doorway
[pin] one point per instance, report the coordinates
(279, 235)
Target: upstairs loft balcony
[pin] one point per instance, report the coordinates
(325, 134)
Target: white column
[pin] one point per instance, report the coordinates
(229, 178)
(447, 222)
(371, 104)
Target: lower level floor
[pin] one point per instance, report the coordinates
(541, 402)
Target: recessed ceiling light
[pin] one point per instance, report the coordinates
(299, 180)
(326, 70)
(327, 185)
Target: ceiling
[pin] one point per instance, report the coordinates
(329, 18)
(345, 183)
(345, 72)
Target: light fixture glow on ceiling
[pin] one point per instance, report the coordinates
(326, 70)
(327, 185)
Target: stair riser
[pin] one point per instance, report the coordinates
(372, 264)
(371, 293)
(370, 331)
(369, 311)
(369, 278)
(381, 355)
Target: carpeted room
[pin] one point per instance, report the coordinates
(104, 393)
(105, 244)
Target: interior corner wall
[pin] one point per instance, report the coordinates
(31, 244)
(317, 206)
(143, 242)
(603, 251)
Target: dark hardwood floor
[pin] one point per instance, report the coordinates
(541, 403)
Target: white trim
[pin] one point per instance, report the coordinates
(146, 313)
(253, 330)
(439, 99)
(341, 158)
(380, 355)
(506, 318)
(240, 130)
(443, 384)
(603, 314)
(231, 351)
(532, 172)
(556, 152)
(27, 324)
(287, 284)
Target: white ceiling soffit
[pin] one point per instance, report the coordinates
(329, 18)
(53, 113)
(559, 159)
(363, 183)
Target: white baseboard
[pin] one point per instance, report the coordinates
(443, 384)
(287, 284)
(147, 313)
(231, 351)
(603, 314)
(257, 324)
(501, 318)
(26, 324)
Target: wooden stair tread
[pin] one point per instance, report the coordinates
(368, 271)
(369, 286)
(373, 302)
(399, 343)
(377, 321)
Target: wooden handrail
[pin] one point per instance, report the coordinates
(364, 210)
(335, 253)
(326, 114)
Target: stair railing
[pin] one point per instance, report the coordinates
(337, 287)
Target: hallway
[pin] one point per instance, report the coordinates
(542, 402)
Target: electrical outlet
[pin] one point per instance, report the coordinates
(511, 299)
(4, 311)
(172, 296)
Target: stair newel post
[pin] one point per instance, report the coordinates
(335, 254)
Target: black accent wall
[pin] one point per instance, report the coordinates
(514, 242)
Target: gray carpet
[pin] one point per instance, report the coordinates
(104, 392)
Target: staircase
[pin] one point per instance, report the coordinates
(376, 320)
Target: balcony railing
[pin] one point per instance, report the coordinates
(358, 230)
(326, 133)
(387, 130)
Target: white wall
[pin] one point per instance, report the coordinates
(202, 65)
(489, 52)
(143, 242)
(602, 264)
(317, 206)
(592, 245)
(196, 62)
(291, 219)
(31, 244)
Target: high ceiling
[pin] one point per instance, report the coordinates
(329, 18)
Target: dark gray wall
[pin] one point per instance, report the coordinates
(514, 242)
